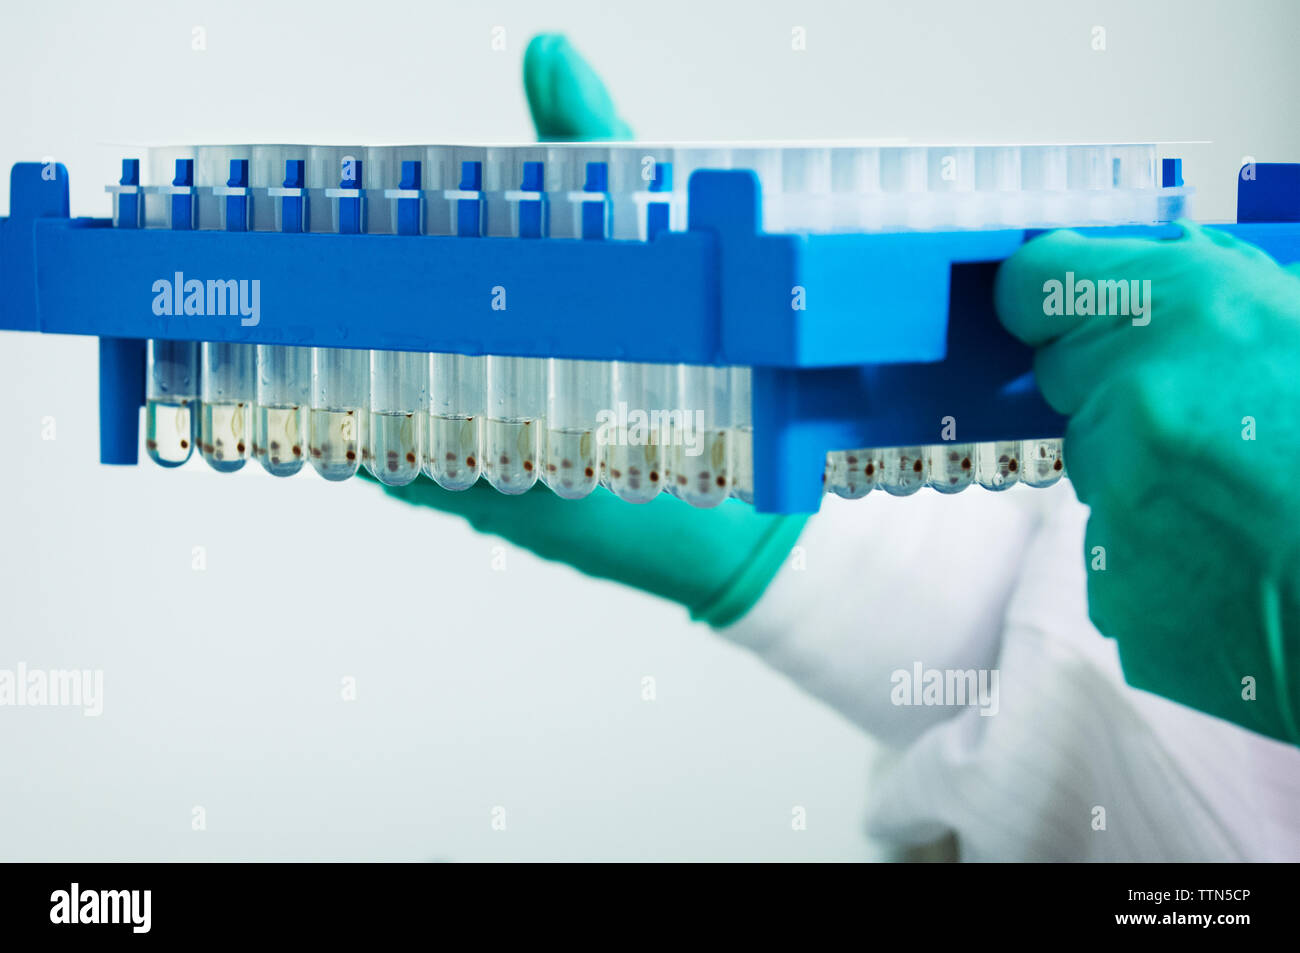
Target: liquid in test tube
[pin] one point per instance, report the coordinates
(907, 469)
(572, 449)
(228, 386)
(453, 455)
(743, 455)
(340, 376)
(852, 474)
(702, 456)
(172, 367)
(284, 371)
(997, 465)
(516, 420)
(397, 399)
(952, 466)
(635, 458)
(1042, 462)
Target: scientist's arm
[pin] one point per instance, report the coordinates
(1184, 437)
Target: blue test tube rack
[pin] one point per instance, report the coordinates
(892, 332)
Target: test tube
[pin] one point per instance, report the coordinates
(452, 456)
(339, 376)
(852, 474)
(516, 419)
(997, 465)
(453, 448)
(1042, 462)
(172, 367)
(743, 452)
(702, 456)
(398, 379)
(284, 371)
(572, 441)
(397, 398)
(229, 386)
(952, 466)
(906, 470)
(643, 430)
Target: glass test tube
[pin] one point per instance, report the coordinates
(284, 371)
(997, 465)
(952, 466)
(228, 387)
(906, 470)
(398, 379)
(702, 454)
(643, 430)
(572, 446)
(1042, 462)
(516, 412)
(743, 451)
(457, 383)
(635, 186)
(852, 474)
(339, 376)
(397, 400)
(172, 367)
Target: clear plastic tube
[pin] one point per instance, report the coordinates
(636, 461)
(997, 466)
(226, 392)
(283, 371)
(171, 400)
(952, 466)
(516, 420)
(907, 469)
(280, 417)
(398, 383)
(702, 456)
(398, 379)
(336, 429)
(229, 383)
(336, 438)
(452, 448)
(743, 451)
(172, 367)
(852, 474)
(576, 395)
(1042, 462)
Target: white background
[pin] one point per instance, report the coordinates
(476, 688)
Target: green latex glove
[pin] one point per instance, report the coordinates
(1200, 526)
(715, 562)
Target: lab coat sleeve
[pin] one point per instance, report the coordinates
(1070, 763)
(878, 585)
(1076, 765)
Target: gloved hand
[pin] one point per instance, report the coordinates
(715, 562)
(1182, 435)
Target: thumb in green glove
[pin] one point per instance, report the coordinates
(1184, 428)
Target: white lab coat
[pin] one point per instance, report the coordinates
(1075, 764)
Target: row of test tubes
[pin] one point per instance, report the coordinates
(456, 418)
(947, 468)
(515, 421)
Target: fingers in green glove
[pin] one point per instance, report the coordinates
(714, 562)
(1178, 426)
(568, 101)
